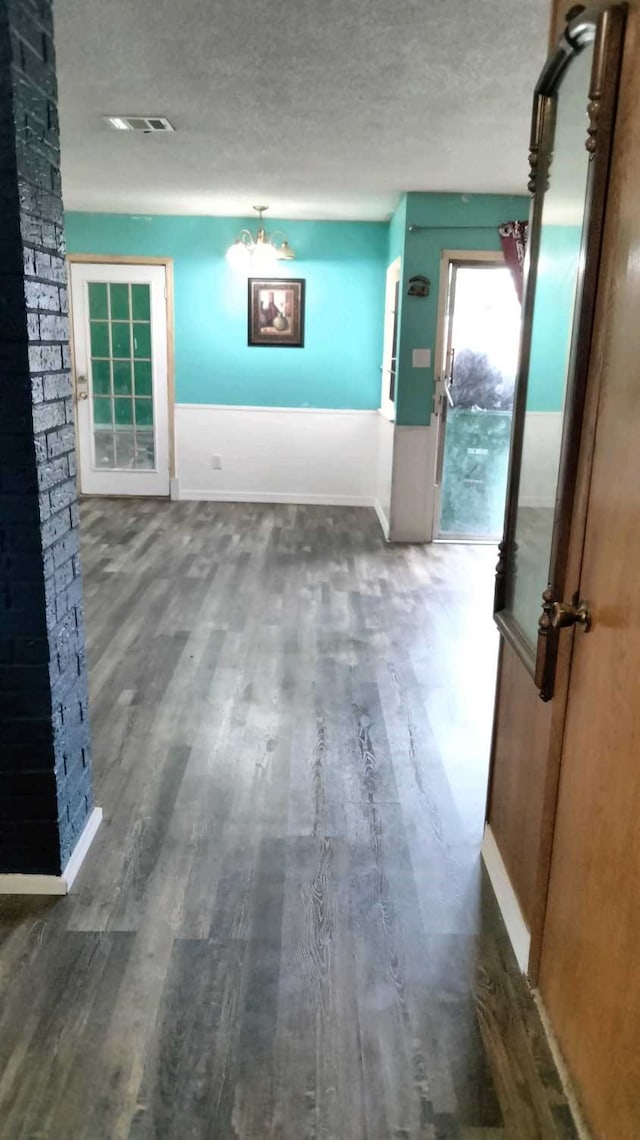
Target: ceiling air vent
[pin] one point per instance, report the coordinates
(148, 124)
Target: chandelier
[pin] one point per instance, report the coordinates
(262, 249)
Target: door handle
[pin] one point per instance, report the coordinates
(565, 614)
(448, 380)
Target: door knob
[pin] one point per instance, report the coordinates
(564, 614)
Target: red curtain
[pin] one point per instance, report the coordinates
(513, 238)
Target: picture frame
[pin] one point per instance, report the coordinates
(276, 312)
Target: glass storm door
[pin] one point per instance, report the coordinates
(120, 350)
(477, 379)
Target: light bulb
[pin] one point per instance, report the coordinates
(238, 255)
(264, 255)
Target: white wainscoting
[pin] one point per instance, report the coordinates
(540, 454)
(276, 455)
(384, 472)
(412, 489)
(308, 455)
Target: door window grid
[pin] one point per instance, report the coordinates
(121, 375)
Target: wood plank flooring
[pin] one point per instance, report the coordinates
(282, 930)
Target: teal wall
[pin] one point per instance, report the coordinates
(344, 265)
(452, 221)
(397, 230)
(552, 318)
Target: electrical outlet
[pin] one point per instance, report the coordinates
(216, 462)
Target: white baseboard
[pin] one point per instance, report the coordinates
(382, 518)
(514, 921)
(11, 884)
(276, 497)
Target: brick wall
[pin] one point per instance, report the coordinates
(45, 774)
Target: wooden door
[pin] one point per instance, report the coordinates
(121, 377)
(589, 971)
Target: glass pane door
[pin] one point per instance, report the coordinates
(479, 385)
(120, 348)
(121, 375)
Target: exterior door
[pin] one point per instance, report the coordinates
(121, 378)
(478, 351)
(589, 972)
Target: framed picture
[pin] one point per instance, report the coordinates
(276, 312)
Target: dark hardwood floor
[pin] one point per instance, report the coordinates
(282, 930)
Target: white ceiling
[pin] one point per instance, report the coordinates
(321, 108)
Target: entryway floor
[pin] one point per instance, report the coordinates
(282, 930)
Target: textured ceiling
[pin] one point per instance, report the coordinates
(321, 108)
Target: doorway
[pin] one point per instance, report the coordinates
(121, 372)
(389, 366)
(478, 341)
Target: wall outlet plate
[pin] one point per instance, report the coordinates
(216, 462)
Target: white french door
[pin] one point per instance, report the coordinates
(121, 378)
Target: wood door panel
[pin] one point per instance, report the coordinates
(589, 978)
(518, 778)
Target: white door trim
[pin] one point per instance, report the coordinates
(448, 257)
(394, 275)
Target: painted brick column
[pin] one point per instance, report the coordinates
(45, 773)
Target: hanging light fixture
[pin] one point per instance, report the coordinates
(262, 249)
